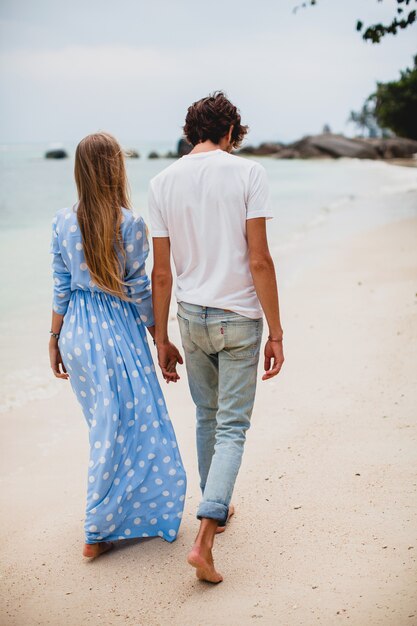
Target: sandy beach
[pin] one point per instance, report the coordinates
(325, 530)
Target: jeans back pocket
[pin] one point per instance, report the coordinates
(184, 324)
(242, 338)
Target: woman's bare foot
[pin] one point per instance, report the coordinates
(221, 529)
(93, 550)
(202, 559)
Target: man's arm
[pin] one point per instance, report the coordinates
(263, 274)
(168, 355)
(161, 286)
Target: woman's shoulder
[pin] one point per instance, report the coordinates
(64, 217)
(130, 216)
(131, 221)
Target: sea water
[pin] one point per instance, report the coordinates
(311, 200)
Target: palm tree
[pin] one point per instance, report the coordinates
(365, 120)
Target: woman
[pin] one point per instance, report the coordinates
(102, 305)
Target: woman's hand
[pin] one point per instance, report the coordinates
(55, 360)
(168, 357)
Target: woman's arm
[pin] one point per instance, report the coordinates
(136, 279)
(61, 298)
(55, 358)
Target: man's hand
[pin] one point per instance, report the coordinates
(274, 358)
(168, 357)
(55, 359)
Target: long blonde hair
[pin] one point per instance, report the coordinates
(101, 180)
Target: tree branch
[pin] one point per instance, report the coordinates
(375, 32)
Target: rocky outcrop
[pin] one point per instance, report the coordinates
(329, 145)
(264, 149)
(293, 153)
(58, 153)
(338, 146)
(302, 149)
(132, 154)
(183, 147)
(392, 147)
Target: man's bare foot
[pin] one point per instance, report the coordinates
(202, 559)
(221, 529)
(93, 550)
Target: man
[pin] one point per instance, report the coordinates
(209, 209)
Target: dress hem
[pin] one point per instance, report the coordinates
(164, 536)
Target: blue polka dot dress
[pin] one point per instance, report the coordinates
(136, 480)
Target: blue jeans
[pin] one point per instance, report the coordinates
(221, 355)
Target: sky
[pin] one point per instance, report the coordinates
(133, 67)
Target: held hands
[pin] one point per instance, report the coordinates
(168, 358)
(55, 360)
(274, 358)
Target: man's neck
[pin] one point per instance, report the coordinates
(209, 146)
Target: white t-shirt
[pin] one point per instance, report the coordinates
(201, 202)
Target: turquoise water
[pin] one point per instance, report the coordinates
(307, 197)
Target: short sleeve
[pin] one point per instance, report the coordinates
(136, 279)
(257, 204)
(61, 274)
(158, 225)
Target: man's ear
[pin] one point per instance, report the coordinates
(229, 137)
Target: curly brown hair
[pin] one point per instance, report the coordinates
(211, 118)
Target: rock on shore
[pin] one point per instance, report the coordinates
(183, 148)
(329, 145)
(58, 153)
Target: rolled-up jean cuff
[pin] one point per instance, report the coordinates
(213, 510)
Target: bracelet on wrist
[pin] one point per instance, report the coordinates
(54, 335)
(275, 339)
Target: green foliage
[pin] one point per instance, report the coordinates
(365, 119)
(396, 104)
(375, 32)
